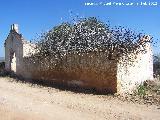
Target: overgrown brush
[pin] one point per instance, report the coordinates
(88, 35)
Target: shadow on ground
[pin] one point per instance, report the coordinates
(53, 84)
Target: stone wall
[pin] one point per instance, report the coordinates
(132, 74)
(88, 70)
(92, 70)
(13, 52)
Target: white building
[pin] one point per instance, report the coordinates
(125, 76)
(16, 47)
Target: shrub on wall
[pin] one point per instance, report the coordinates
(83, 38)
(90, 35)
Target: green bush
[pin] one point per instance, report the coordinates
(142, 90)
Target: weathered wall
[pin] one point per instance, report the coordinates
(28, 48)
(130, 75)
(13, 52)
(15, 49)
(86, 70)
(90, 70)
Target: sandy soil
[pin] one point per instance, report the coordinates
(19, 101)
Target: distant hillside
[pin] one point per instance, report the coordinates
(1, 59)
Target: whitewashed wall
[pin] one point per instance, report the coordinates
(130, 76)
(13, 45)
(127, 76)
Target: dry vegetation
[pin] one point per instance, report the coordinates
(147, 93)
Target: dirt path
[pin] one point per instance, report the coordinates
(19, 101)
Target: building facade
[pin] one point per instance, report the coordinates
(16, 47)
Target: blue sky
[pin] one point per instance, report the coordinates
(36, 16)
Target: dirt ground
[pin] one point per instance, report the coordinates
(22, 101)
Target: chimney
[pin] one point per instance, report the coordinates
(14, 27)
